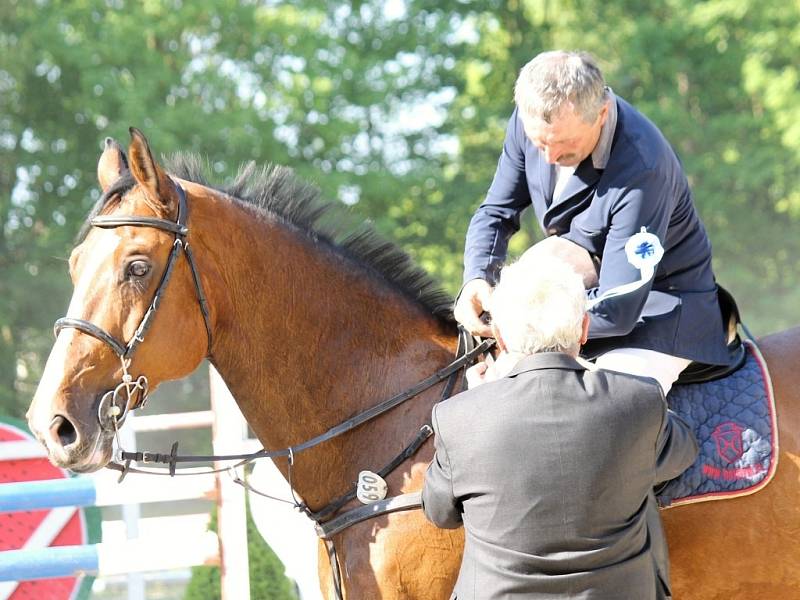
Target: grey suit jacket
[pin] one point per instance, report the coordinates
(549, 469)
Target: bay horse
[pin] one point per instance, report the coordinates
(308, 329)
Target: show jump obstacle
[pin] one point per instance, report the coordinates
(37, 560)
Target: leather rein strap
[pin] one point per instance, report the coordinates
(172, 458)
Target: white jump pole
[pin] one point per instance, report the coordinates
(131, 512)
(228, 433)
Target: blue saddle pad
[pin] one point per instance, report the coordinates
(735, 424)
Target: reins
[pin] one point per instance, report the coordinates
(173, 458)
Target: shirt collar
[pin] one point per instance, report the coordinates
(602, 151)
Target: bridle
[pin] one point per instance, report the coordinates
(114, 407)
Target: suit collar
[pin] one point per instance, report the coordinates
(546, 360)
(602, 150)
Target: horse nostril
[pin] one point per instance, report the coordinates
(62, 430)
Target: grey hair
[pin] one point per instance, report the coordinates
(538, 306)
(557, 78)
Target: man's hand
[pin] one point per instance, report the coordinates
(492, 369)
(480, 373)
(473, 301)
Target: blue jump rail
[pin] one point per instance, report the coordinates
(37, 495)
(48, 563)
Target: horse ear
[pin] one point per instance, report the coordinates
(111, 165)
(155, 182)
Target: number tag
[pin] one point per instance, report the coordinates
(371, 487)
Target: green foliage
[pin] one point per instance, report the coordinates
(267, 578)
(718, 77)
(294, 85)
(397, 108)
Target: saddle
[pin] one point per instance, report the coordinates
(731, 410)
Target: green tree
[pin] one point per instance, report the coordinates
(267, 578)
(316, 85)
(718, 77)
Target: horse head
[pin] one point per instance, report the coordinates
(100, 367)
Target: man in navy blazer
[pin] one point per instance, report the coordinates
(596, 172)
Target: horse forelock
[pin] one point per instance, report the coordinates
(277, 193)
(124, 183)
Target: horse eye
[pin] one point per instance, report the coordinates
(138, 268)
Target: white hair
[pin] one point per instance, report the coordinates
(553, 80)
(538, 306)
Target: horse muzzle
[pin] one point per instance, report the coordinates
(72, 444)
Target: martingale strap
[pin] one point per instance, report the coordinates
(423, 434)
(389, 505)
(336, 572)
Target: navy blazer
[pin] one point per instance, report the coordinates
(643, 185)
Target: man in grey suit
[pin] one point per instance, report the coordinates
(550, 467)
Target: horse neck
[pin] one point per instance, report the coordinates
(306, 339)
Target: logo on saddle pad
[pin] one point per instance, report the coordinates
(728, 437)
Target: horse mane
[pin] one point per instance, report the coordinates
(276, 191)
